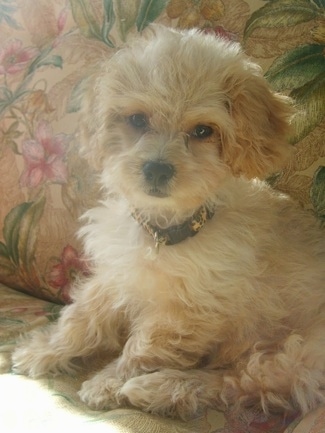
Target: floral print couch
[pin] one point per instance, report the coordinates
(45, 49)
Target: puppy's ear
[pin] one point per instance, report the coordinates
(261, 119)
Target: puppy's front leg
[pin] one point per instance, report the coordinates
(150, 350)
(83, 327)
(102, 391)
(144, 352)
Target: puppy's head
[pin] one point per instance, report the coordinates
(168, 118)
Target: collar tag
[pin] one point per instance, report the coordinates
(157, 243)
(175, 234)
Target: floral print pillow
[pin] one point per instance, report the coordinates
(44, 185)
(46, 47)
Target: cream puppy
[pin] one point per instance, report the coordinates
(207, 285)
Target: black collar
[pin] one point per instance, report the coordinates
(177, 233)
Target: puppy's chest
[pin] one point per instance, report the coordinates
(144, 277)
(197, 267)
(165, 276)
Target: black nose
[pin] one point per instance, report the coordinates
(158, 173)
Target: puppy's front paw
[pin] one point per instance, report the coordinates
(102, 393)
(35, 357)
(166, 393)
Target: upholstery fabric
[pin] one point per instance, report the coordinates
(52, 402)
(46, 47)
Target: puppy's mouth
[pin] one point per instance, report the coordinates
(156, 192)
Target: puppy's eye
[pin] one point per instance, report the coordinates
(202, 131)
(138, 120)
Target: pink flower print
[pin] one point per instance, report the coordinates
(63, 275)
(14, 58)
(62, 19)
(44, 158)
(60, 24)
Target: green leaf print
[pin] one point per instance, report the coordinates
(149, 11)
(11, 229)
(28, 232)
(320, 3)
(6, 266)
(297, 67)
(317, 193)
(311, 98)
(55, 61)
(85, 18)
(282, 13)
(7, 9)
(3, 250)
(126, 15)
(20, 232)
(109, 19)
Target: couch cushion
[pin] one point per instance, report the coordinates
(45, 50)
(49, 403)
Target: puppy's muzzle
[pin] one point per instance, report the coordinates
(157, 175)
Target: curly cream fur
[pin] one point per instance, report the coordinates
(234, 315)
